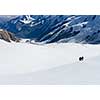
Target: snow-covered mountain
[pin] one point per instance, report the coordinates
(54, 28)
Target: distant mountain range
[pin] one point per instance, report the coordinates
(54, 28)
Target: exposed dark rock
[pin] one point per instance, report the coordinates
(8, 36)
(93, 17)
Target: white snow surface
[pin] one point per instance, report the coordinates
(24, 63)
(27, 20)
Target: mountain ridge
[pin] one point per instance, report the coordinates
(8, 36)
(55, 28)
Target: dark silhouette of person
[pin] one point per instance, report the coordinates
(81, 58)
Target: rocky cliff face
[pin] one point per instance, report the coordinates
(8, 36)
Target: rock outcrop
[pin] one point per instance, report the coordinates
(8, 36)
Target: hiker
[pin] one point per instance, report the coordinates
(81, 58)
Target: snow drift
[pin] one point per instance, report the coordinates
(23, 63)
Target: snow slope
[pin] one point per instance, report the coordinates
(22, 63)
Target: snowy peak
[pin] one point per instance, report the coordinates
(27, 20)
